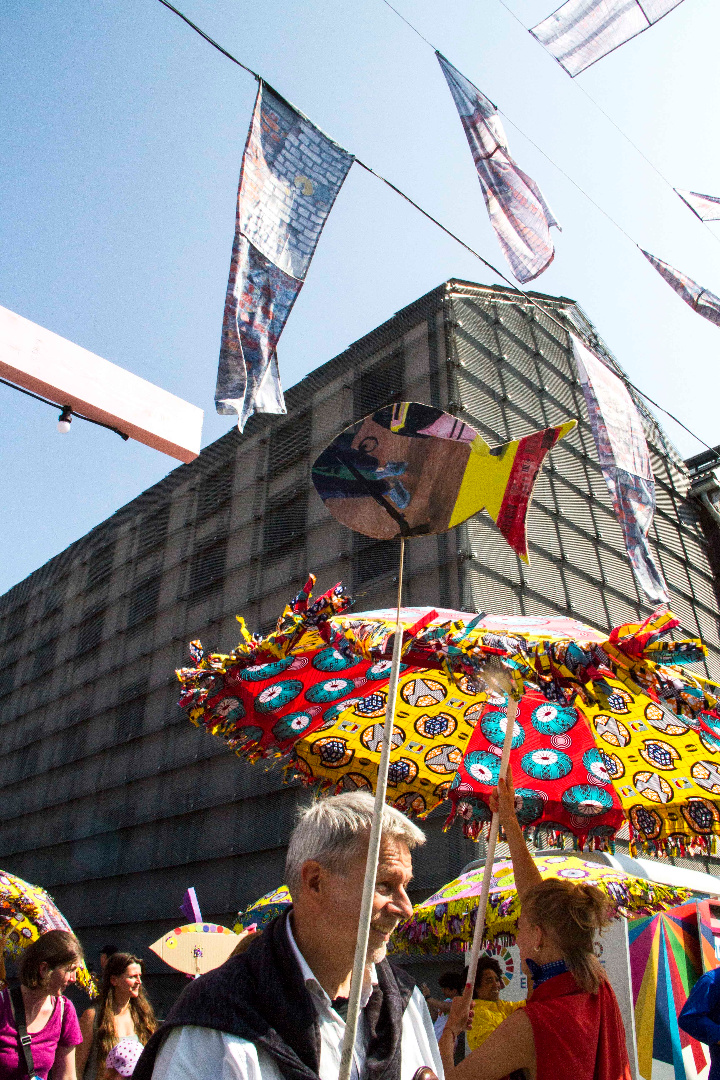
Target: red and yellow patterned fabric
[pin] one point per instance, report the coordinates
(560, 776)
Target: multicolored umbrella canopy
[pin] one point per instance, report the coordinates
(665, 964)
(26, 912)
(612, 726)
(446, 921)
(264, 910)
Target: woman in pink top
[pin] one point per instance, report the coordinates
(47, 968)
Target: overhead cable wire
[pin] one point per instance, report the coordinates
(608, 117)
(591, 200)
(534, 301)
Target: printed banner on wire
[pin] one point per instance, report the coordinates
(583, 31)
(625, 462)
(518, 213)
(290, 177)
(701, 300)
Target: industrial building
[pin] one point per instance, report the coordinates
(109, 798)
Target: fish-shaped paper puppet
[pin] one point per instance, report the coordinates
(411, 469)
(196, 947)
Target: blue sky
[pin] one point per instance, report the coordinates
(123, 134)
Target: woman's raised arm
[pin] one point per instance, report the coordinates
(502, 801)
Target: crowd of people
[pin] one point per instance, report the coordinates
(276, 1009)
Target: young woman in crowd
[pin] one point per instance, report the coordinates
(47, 968)
(117, 1028)
(571, 1028)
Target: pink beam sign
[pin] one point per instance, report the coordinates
(46, 364)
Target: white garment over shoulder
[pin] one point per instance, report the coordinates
(195, 1053)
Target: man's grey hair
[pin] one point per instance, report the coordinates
(333, 831)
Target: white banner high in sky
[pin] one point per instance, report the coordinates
(707, 207)
(583, 31)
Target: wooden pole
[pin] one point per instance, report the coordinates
(360, 961)
(490, 856)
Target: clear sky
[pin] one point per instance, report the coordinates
(123, 133)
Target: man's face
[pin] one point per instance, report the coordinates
(390, 902)
(490, 986)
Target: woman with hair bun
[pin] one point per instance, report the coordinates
(47, 967)
(571, 1027)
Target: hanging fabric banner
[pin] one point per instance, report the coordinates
(290, 177)
(701, 300)
(583, 31)
(518, 213)
(625, 463)
(706, 207)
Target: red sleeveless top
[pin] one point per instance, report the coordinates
(578, 1036)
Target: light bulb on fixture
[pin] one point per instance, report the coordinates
(65, 419)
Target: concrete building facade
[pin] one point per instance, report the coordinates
(110, 798)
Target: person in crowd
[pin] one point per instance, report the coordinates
(452, 984)
(278, 1010)
(488, 1011)
(571, 1027)
(47, 967)
(105, 953)
(700, 1017)
(123, 1014)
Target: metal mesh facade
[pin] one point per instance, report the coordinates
(110, 799)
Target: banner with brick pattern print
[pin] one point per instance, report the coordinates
(290, 177)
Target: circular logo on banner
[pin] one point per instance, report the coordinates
(372, 705)
(619, 700)
(258, 672)
(334, 660)
(292, 725)
(553, 719)
(483, 767)
(546, 764)
(372, 738)
(333, 752)
(278, 695)
(707, 775)
(330, 690)
(586, 800)
(652, 786)
(444, 759)
(353, 781)
(421, 693)
(430, 727)
(494, 725)
(401, 771)
(611, 730)
(660, 754)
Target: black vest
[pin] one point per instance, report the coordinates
(261, 996)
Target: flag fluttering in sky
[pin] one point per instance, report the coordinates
(701, 300)
(625, 463)
(518, 213)
(290, 177)
(707, 207)
(583, 31)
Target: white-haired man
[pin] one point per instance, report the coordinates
(277, 1011)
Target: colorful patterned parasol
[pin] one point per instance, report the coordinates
(615, 727)
(446, 920)
(264, 910)
(611, 725)
(26, 912)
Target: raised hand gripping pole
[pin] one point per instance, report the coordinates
(490, 856)
(356, 981)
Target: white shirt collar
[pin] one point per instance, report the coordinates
(312, 983)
